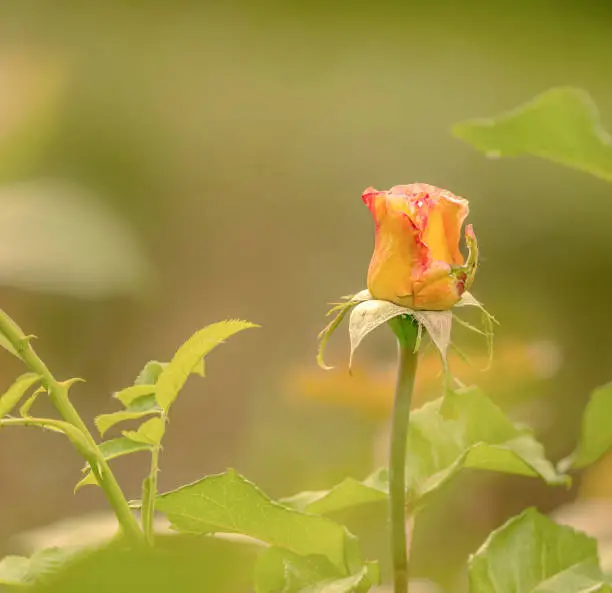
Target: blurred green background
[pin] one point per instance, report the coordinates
(166, 165)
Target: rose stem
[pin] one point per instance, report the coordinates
(406, 331)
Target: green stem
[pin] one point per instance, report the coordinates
(58, 394)
(149, 492)
(406, 332)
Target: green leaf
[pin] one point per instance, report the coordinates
(357, 583)
(465, 430)
(229, 503)
(280, 570)
(110, 450)
(121, 446)
(106, 421)
(6, 344)
(19, 570)
(16, 391)
(78, 438)
(148, 433)
(186, 359)
(348, 493)
(176, 564)
(532, 554)
(129, 394)
(146, 403)
(150, 373)
(561, 125)
(596, 433)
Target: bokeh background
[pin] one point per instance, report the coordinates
(166, 165)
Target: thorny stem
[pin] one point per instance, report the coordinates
(406, 331)
(58, 394)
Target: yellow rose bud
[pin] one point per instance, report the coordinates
(416, 261)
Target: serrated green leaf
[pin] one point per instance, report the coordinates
(229, 503)
(106, 421)
(148, 433)
(16, 391)
(596, 433)
(348, 493)
(561, 125)
(150, 373)
(129, 394)
(20, 570)
(532, 554)
(186, 359)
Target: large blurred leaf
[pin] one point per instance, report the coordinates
(177, 564)
(19, 570)
(229, 503)
(561, 125)
(532, 554)
(471, 432)
(57, 238)
(188, 356)
(596, 434)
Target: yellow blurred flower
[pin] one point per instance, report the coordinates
(370, 390)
